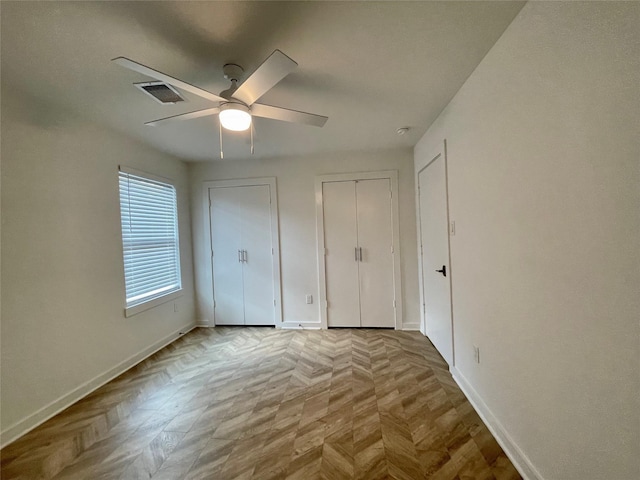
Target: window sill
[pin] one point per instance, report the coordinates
(141, 307)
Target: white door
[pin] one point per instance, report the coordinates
(434, 234)
(375, 242)
(257, 267)
(226, 245)
(358, 239)
(243, 283)
(341, 261)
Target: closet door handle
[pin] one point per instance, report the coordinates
(360, 253)
(443, 271)
(244, 256)
(356, 253)
(239, 256)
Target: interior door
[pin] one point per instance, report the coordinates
(375, 241)
(226, 244)
(434, 234)
(257, 265)
(341, 262)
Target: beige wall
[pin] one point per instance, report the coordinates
(298, 247)
(544, 188)
(63, 325)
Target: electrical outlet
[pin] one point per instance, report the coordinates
(476, 354)
(309, 299)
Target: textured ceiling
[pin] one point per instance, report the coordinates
(371, 67)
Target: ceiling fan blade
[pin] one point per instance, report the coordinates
(273, 69)
(286, 115)
(163, 77)
(185, 116)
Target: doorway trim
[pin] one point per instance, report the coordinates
(275, 236)
(392, 176)
(435, 154)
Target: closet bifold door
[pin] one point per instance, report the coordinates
(341, 259)
(226, 243)
(375, 241)
(257, 263)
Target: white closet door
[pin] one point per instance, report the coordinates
(340, 241)
(375, 239)
(226, 227)
(259, 308)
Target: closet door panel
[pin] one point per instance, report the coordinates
(375, 238)
(225, 224)
(258, 265)
(340, 241)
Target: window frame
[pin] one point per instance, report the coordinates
(136, 308)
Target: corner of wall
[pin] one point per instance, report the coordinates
(15, 431)
(510, 447)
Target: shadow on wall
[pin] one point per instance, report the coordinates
(25, 108)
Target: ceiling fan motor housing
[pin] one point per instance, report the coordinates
(232, 72)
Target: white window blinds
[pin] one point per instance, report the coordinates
(149, 238)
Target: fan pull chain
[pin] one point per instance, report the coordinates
(221, 152)
(252, 138)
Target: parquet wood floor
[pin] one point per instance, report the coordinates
(260, 403)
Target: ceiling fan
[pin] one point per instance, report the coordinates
(236, 105)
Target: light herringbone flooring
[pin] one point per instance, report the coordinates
(260, 403)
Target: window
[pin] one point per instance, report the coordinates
(149, 239)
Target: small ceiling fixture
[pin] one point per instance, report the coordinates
(402, 130)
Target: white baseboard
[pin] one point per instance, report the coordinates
(411, 327)
(27, 424)
(283, 325)
(300, 326)
(511, 449)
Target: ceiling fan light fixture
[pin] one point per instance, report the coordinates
(235, 116)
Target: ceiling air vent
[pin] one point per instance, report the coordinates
(161, 92)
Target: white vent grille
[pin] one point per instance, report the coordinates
(161, 92)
